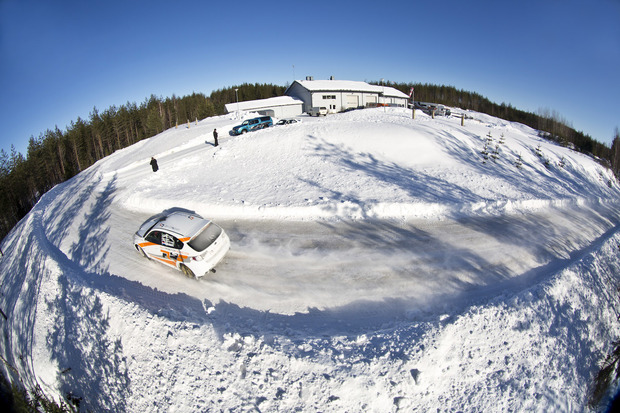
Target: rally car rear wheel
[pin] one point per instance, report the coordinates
(188, 273)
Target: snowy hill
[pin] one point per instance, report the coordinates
(378, 263)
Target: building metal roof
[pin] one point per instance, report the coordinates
(263, 103)
(349, 86)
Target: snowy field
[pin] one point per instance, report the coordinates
(378, 263)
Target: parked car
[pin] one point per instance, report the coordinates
(432, 108)
(252, 124)
(317, 111)
(287, 121)
(184, 241)
(259, 126)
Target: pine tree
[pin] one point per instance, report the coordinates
(538, 151)
(519, 162)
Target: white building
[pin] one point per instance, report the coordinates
(335, 95)
(278, 107)
(340, 95)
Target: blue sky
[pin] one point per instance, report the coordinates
(59, 59)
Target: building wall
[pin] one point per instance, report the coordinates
(296, 90)
(341, 100)
(289, 111)
(396, 101)
(280, 112)
(337, 101)
(330, 100)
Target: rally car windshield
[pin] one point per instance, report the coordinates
(204, 239)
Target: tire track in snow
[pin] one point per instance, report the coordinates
(379, 270)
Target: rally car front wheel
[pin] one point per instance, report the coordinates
(141, 251)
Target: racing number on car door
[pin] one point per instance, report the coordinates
(164, 247)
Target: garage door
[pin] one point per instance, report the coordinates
(353, 101)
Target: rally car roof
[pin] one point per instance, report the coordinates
(182, 223)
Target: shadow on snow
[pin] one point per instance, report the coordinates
(91, 360)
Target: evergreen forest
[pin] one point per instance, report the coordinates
(57, 155)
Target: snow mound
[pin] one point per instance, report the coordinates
(378, 263)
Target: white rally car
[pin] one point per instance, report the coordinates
(184, 241)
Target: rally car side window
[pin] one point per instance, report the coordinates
(154, 237)
(168, 240)
(165, 239)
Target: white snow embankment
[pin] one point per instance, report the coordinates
(506, 305)
(530, 348)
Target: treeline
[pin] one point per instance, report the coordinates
(551, 123)
(245, 92)
(615, 153)
(57, 155)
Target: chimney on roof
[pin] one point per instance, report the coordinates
(309, 77)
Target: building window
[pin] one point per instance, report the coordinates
(326, 97)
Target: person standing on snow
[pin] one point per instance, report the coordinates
(154, 164)
(215, 136)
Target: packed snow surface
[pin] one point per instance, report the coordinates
(378, 263)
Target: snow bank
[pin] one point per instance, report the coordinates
(379, 263)
(361, 164)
